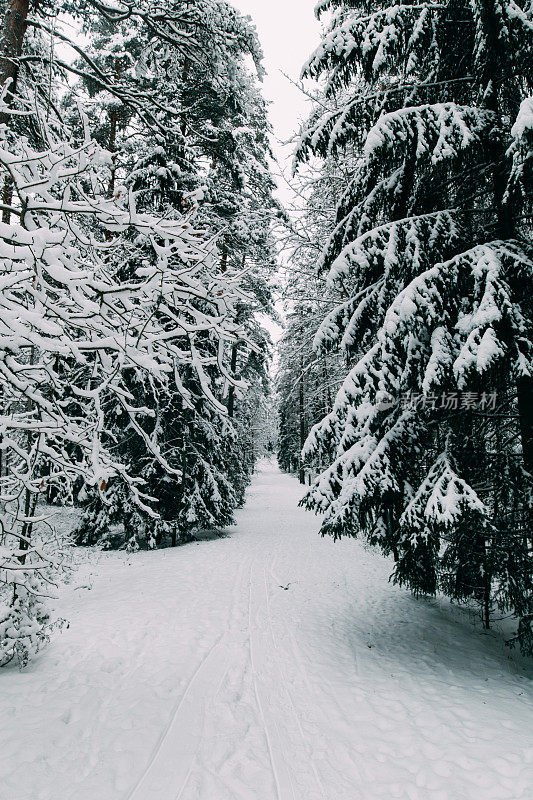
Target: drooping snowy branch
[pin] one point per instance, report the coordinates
(93, 292)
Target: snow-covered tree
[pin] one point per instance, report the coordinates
(432, 428)
(307, 381)
(214, 143)
(74, 336)
(100, 296)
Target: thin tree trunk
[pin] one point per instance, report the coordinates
(497, 72)
(181, 148)
(235, 347)
(328, 401)
(30, 502)
(233, 368)
(301, 395)
(525, 410)
(183, 117)
(486, 602)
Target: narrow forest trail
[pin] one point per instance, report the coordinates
(269, 665)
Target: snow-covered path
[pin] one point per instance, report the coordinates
(269, 665)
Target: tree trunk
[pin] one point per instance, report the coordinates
(13, 32)
(30, 499)
(525, 410)
(224, 259)
(233, 367)
(498, 70)
(30, 502)
(235, 347)
(7, 199)
(112, 147)
(301, 393)
(487, 595)
(328, 404)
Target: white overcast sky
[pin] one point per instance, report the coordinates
(289, 32)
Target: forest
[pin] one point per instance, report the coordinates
(141, 235)
(138, 251)
(147, 259)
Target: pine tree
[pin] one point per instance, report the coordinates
(214, 150)
(432, 426)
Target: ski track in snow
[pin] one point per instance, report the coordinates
(269, 665)
(184, 730)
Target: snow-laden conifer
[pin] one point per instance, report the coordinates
(432, 428)
(212, 146)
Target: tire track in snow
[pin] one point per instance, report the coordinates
(172, 760)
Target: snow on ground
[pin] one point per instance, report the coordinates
(269, 665)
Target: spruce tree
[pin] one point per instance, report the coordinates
(432, 426)
(214, 152)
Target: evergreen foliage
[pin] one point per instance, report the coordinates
(121, 314)
(432, 427)
(214, 151)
